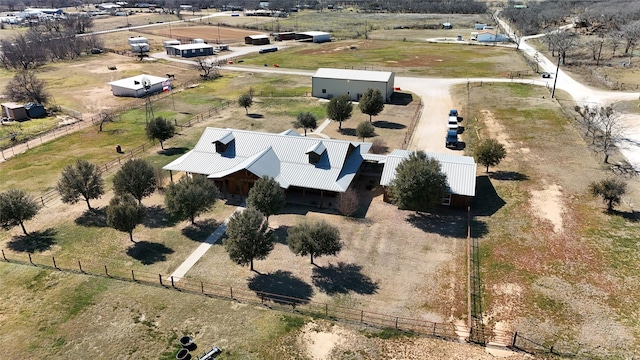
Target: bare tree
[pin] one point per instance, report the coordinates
(105, 116)
(210, 68)
(611, 129)
(348, 202)
(26, 87)
(588, 119)
(615, 39)
(631, 32)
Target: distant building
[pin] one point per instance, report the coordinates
(257, 39)
(314, 36)
(328, 83)
(190, 50)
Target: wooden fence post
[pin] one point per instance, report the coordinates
(231, 288)
(54, 262)
(80, 266)
(361, 316)
(515, 336)
(201, 287)
(106, 271)
(434, 328)
(133, 276)
(160, 277)
(172, 283)
(326, 310)
(396, 323)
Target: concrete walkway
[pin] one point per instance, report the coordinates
(319, 129)
(202, 249)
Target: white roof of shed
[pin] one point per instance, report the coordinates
(346, 74)
(460, 170)
(314, 33)
(135, 82)
(192, 46)
(282, 156)
(261, 36)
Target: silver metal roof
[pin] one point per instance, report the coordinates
(346, 74)
(460, 170)
(282, 156)
(135, 82)
(192, 46)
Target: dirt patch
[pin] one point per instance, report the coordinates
(211, 34)
(547, 204)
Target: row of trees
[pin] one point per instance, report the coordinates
(603, 126)
(52, 40)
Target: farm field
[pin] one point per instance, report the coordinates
(555, 266)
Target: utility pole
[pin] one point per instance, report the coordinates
(599, 52)
(555, 80)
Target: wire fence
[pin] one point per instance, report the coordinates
(412, 124)
(273, 301)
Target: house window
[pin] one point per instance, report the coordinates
(324, 91)
(446, 201)
(314, 158)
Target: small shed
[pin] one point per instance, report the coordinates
(168, 43)
(133, 86)
(137, 40)
(314, 36)
(284, 36)
(447, 26)
(14, 111)
(191, 50)
(257, 39)
(35, 110)
(479, 26)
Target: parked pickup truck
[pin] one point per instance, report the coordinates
(452, 139)
(452, 123)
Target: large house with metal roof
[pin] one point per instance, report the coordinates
(307, 168)
(328, 83)
(235, 159)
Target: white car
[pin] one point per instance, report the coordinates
(452, 123)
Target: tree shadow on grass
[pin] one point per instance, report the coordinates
(36, 241)
(451, 225)
(348, 131)
(383, 124)
(173, 151)
(632, 216)
(201, 230)
(281, 287)
(280, 234)
(342, 279)
(158, 217)
(93, 218)
(487, 201)
(509, 176)
(149, 253)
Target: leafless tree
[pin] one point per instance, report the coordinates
(210, 68)
(22, 52)
(610, 128)
(631, 33)
(615, 39)
(26, 87)
(105, 116)
(589, 120)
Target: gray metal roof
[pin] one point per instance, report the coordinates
(192, 46)
(135, 82)
(356, 75)
(460, 170)
(281, 156)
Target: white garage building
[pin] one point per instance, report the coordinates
(314, 36)
(133, 86)
(327, 83)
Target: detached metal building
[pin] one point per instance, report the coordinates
(314, 36)
(257, 39)
(190, 50)
(132, 86)
(327, 83)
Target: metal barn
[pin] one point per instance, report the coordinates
(327, 83)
